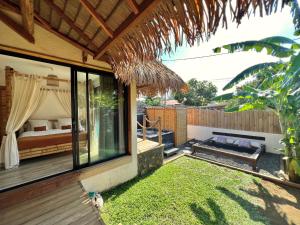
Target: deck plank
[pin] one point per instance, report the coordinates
(145, 145)
(30, 170)
(65, 205)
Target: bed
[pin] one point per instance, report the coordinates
(242, 147)
(39, 143)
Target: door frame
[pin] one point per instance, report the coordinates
(75, 133)
(73, 68)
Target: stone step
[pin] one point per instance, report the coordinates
(171, 151)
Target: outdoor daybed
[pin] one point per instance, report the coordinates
(240, 147)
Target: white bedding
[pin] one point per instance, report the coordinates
(44, 133)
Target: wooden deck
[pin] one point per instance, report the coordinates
(65, 205)
(145, 145)
(32, 169)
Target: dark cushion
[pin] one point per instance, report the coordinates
(41, 128)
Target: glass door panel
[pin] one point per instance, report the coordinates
(83, 144)
(101, 128)
(106, 117)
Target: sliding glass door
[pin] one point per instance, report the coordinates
(100, 102)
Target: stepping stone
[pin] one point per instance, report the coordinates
(171, 151)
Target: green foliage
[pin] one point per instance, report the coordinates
(295, 10)
(200, 93)
(153, 101)
(259, 46)
(256, 69)
(186, 191)
(106, 100)
(276, 86)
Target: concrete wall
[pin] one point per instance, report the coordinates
(203, 133)
(117, 171)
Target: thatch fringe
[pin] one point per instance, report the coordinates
(152, 77)
(174, 19)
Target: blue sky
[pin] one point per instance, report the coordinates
(220, 69)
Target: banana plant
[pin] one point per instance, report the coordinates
(274, 85)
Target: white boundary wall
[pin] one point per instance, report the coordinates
(203, 133)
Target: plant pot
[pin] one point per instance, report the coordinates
(294, 170)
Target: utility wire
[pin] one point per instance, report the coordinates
(205, 56)
(197, 57)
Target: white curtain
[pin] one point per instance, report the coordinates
(64, 98)
(26, 97)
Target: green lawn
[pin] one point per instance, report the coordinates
(185, 191)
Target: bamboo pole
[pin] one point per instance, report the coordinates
(159, 131)
(144, 127)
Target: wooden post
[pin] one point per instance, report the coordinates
(159, 131)
(144, 127)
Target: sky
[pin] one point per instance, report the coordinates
(221, 69)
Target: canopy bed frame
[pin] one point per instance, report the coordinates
(36, 146)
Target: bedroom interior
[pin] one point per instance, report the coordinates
(38, 135)
(42, 125)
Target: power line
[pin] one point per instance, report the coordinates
(205, 56)
(197, 57)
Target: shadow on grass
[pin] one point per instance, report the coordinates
(205, 218)
(256, 212)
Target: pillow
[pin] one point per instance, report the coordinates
(221, 140)
(214, 139)
(50, 125)
(38, 123)
(255, 144)
(42, 128)
(27, 126)
(66, 127)
(64, 122)
(229, 141)
(243, 143)
(55, 125)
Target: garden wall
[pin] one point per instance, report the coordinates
(254, 120)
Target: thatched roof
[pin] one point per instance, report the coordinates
(121, 32)
(152, 77)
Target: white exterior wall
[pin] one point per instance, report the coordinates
(203, 133)
(124, 172)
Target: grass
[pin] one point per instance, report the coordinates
(185, 191)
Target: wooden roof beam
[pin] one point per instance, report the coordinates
(88, 6)
(27, 15)
(44, 24)
(68, 21)
(16, 27)
(131, 21)
(133, 5)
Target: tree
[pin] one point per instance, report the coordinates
(153, 101)
(276, 86)
(200, 93)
